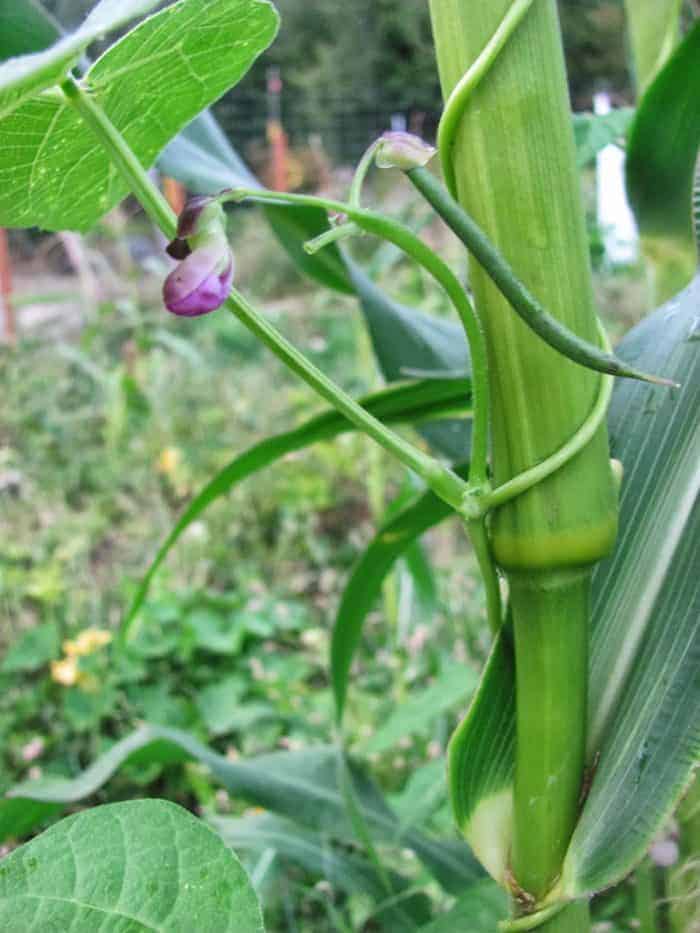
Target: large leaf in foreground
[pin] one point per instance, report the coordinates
(662, 152)
(146, 865)
(150, 84)
(412, 402)
(645, 644)
(302, 786)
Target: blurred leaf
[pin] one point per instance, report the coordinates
(293, 228)
(406, 340)
(203, 160)
(35, 648)
(316, 854)
(645, 649)
(302, 786)
(661, 156)
(594, 131)
(410, 402)
(215, 632)
(424, 793)
(219, 703)
(645, 657)
(111, 879)
(26, 75)
(364, 585)
(479, 910)
(453, 685)
(53, 152)
(25, 27)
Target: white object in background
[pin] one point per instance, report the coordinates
(614, 215)
(398, 123)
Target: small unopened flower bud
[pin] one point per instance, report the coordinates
(202, 280)
(403, 151)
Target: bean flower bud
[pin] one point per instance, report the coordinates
(202, 280)
(403, 151)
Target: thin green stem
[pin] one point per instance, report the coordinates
(405, 239)
(443, 481)
(457, 101)
(478, 535)
(529, 478)
(148, 195)
(439, 478)
(517, 294)
(334, 235)
(360, 175)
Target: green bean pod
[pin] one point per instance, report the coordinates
(521, 300)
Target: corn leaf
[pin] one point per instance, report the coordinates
(661, 156)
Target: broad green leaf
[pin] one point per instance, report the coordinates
(645, 645)
(479, 910)
(454, 685)
(302, 786)
(144, 865)
(202, 158)
(594, 131)
(661, 156)
(36, 647)
(365, 583)
(645, 661)
(315, 853)
(219, 704)
(412, 402)
(27, 75)
(25, 27)
(150, 84)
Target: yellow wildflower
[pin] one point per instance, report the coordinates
(87, 642)
(65, 671)
(168, 461)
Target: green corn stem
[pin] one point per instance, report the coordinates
(518, 295)
(645, 897)
(401, 236)
(463, 89)
(550, 617)
(511, 152)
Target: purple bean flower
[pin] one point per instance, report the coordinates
(202, 280)
(403, 150)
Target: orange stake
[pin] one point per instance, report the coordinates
(10, 323)
(175, 194)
